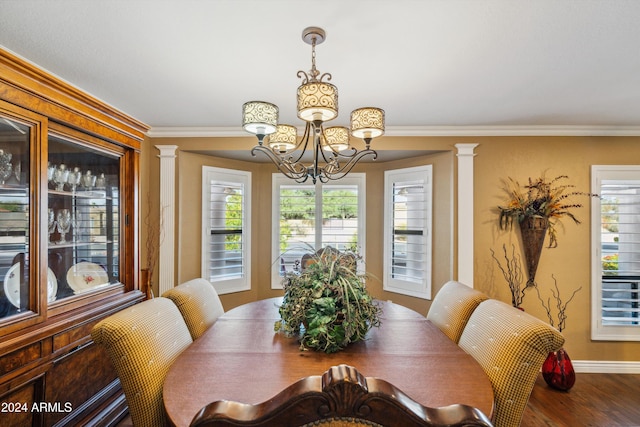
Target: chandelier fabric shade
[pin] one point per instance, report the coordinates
(317, 101)
(333, 156)
(336, 138)
(259, 117)
(367, 122)
(284, 138)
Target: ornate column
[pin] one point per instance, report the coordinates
(166, 259)
(465, 212)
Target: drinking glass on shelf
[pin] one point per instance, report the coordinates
(51, 222)
(17, 170)
(88, 180)
(101, 182)
(5, 166)
(64, 224)
(60, 176)
(74, 178)
(74, 225)
(51, 169)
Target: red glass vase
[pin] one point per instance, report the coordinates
(557, 370)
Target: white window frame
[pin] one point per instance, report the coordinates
(390, 283)
(278, 180)
(231, 176)
(599, 331)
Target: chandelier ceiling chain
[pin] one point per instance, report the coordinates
(314, 71)
(333, 156)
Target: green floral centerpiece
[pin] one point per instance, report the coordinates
(327, 305)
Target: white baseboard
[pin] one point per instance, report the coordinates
(605, 367)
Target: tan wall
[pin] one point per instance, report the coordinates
(570, 263)
(497, 158)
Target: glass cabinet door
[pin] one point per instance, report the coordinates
(15, 295)
(83, 218)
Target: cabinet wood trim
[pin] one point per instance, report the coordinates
(68, 320)
(46, 94)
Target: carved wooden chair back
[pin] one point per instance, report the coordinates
(342, 396)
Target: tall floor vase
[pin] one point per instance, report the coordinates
(557, 370)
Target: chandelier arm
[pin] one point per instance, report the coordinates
(327, 75)
(304, 76)
(322, 142)
(323, 177)
(324, 156)
(345, 154)
(346, 168)
(293, 170)
(304, 143)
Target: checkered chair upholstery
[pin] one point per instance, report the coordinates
(511, 346)
(142, 342)
(451, 308)
(199, 304)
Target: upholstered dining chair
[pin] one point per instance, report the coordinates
(511, 346)
(342, 396)
(142, 342)
(452, 306)
(199, 304)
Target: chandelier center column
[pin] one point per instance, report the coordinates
(166, 259)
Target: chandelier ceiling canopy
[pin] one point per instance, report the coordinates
(333, 155)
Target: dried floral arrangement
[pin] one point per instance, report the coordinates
(540, 198)
(559, 305)
(513, 274)
(153, 241)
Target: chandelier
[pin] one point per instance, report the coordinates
(333, 155)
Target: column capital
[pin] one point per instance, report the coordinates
(167, 150)
(466, 149)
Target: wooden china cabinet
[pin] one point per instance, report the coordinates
(69, 250)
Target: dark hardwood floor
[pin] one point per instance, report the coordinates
(596, 400)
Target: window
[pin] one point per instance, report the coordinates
(226, 219)
(308, 217)
(407, 231)
(616, 264)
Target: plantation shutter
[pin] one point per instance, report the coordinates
(225, 248)
(620, 243)
(297, 232)
(340, 217)
(407, 231)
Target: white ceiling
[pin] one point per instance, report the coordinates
(467, 66)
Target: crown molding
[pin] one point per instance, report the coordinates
(203, 132)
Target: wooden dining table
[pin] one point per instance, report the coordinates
(241, 358)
